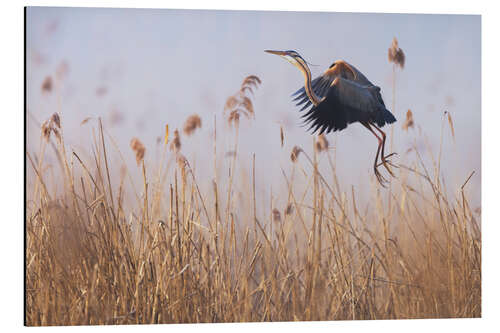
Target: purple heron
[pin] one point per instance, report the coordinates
(340, 96)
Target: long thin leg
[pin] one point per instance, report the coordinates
(380, 178)
(383, 158)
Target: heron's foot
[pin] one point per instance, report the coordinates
(385, 162)
(381, 179)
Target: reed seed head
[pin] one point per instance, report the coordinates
(295, 153)
(46, 129)
(395, 54)
(47, 85)
(408, 121)
(138, 149)
(234, 118)
(192, 123)
(55, 119)
(175, 146)
(321, 143)
(240, 102)
(276, 215)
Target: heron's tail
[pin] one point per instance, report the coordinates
(385, 117)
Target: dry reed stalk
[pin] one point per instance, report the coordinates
(327, 259)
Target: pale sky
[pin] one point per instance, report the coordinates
(160, 66)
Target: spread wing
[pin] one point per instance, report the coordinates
(345, 102)
(320, 86)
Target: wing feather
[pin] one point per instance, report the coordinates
(346, 102)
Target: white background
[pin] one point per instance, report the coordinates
(12, 152)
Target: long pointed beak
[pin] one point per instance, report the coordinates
(280, 53)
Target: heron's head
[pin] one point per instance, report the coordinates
(291, 56)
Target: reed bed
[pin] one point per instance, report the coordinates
(181, 248)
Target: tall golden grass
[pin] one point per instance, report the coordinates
(187, 249)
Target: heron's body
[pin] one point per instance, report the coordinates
(341, 96)
(345, 97)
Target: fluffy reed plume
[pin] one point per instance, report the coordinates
(234, 118)
(409, 120)
(276, 215)
(321, 143)
(46, 129)
(138, 149)
(52, 125)
(175, 146)
(192, 123)
(396, 54)
(289, 209)
(240, 102)
(47, 85)
(295, 153)
(249, 82)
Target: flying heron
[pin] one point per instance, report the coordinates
(340, 96)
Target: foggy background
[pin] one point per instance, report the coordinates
(140, 69)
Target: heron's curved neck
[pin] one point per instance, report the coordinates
(307, 76)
